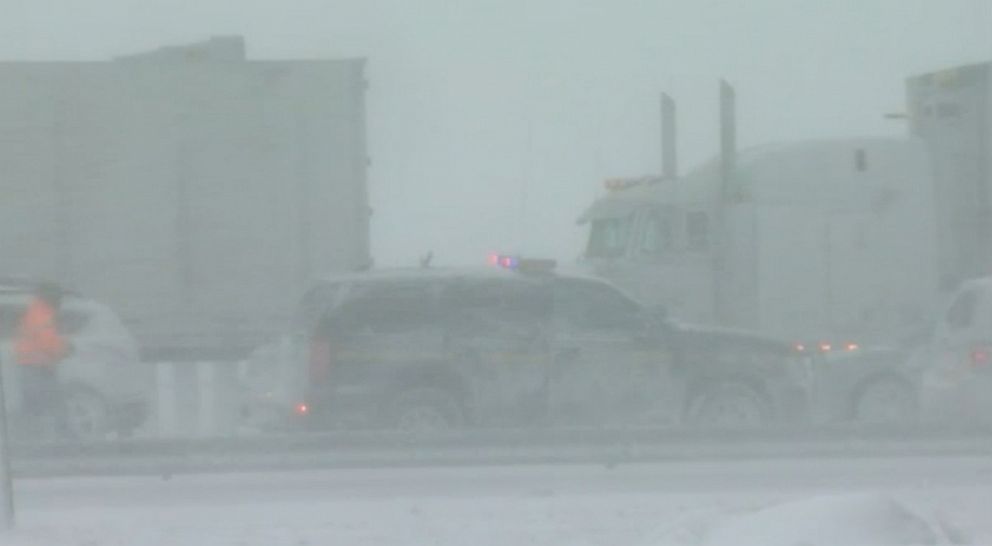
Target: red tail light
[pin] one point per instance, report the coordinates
(980, 357)
(302, 409)
(320, 360)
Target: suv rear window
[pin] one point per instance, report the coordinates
(315, 303)
(480, 304)
(385, 308)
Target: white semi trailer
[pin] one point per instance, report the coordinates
(195, 191)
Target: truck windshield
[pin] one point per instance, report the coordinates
(608, 237)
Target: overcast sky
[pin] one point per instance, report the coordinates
(493, 123)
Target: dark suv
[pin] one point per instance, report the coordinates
(443, 348)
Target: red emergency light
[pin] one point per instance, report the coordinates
(523, 265)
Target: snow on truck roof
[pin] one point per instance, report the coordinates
(816, 171)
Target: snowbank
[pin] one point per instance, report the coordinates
(849, 520)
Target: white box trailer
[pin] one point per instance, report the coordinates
(196, 192)
(828, 239)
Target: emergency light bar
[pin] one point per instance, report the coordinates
(523, 265)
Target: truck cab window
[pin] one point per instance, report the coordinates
(697, 230)
(656, 239)
(608, 237)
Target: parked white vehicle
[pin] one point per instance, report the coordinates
(957, 382)
(106, 387)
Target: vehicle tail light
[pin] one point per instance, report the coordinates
(320, 360)
(301, 409)
(852, 346)
(825, 347)
(980, 357)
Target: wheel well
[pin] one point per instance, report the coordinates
(702, 385)
(433, 377)
(876, 379)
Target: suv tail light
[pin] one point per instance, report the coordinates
(980, 357)
(320, 360)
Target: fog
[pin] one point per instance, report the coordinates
(492, 124)
(527, 335)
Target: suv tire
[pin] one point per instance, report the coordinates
(885, 401)
(87, 415)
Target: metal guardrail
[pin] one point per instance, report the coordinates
(485, 447)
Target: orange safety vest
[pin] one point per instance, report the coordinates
(38, 340)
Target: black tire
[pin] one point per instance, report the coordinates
(886, 401)
(87, 414)
(425, 410)
(728, 405)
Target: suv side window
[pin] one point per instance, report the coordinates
(591, 306)
(387, 308)
(478, 305)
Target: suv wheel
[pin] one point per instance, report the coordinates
(728, 405)
(87, 417)
(885, 401)
(427, 409)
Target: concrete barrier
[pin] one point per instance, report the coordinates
(195, 399)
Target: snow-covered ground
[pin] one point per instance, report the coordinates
(784, 502)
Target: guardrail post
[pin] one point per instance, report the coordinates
(165, 381)
(206, 373)
(6, 478)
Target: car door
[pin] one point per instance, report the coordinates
(497, 337)
(608, 368)
(382, 330)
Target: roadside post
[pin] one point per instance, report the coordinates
(7, 516)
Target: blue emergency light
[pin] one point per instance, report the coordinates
(515, 263)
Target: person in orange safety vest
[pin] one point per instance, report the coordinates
(38, 348)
